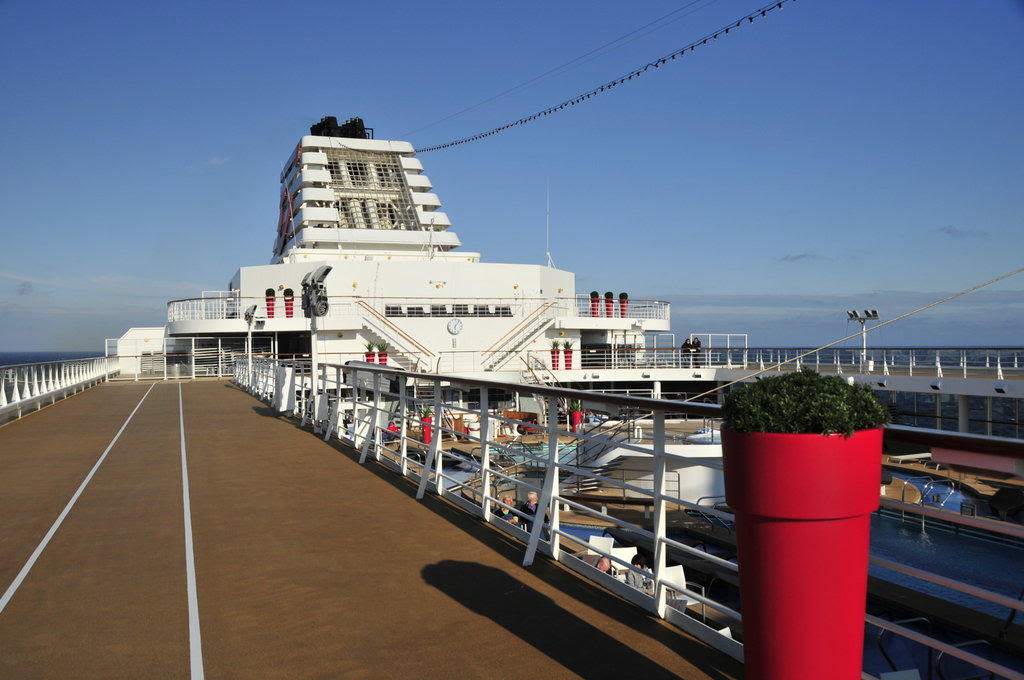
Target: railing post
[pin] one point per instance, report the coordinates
(435, 441)
(547, 491)
(354, 386)
(428, 463)
(192, 358)
(658, 435)
(371, 434)
(403, 433)
(485, 452)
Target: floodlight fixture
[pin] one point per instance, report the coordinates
(852, 313)
(250, 314)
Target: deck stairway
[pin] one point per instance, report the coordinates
(407, 352)
(518, 337)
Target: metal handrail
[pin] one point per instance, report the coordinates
(349, 384)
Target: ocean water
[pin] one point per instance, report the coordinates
(9, 358)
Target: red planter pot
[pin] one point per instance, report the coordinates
(609, 307)
(289, 306)
(428, 430)
(270, 306)
(803, 505)
(554, 359)
(575, 418)
(370, 357)
(623, 308)
(567, 356)
(382, 358)
(595, 307)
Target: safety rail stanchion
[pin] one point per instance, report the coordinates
(658, 492)
(437, 432)
(403, 433)
(428, 461)
(372, 424)
(354, 387)
(548, 489)
(485, 452)
(552, 506)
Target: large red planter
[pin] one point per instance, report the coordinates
(575, 418)
(554, 359)
(609, 307)
(567, 358)
(623, 308)
(270, 305)
(595, 306)
(289, 305)
(803, 504)
(371, 357)
(428, 430)
(382, 358)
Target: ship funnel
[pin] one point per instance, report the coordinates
(353, 128)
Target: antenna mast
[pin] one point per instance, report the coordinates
(547, 227)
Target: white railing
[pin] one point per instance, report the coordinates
(380, 412)
(997, 363)
(27, 387)
(621, 309)
(280, 306)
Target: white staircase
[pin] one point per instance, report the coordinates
(407, 352)
(518, 337)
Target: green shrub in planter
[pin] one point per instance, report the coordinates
(803, 402)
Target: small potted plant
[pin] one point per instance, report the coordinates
(575, 414)
(623, 304)
(382, 353)
(609, 304)
(802, 456)
(555, 351)
(371, 352)
(567, 354)
(428, 428)
(595, 303)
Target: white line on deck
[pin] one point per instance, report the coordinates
(195, 643)
(11, 589)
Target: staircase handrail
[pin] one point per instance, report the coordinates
(510, 334)
(380, 318)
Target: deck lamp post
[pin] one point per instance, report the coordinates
(863, 318)
(314, 305)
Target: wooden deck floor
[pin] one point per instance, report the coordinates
(307, 565)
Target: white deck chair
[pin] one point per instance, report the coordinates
(602, 543)
(675, 578)
(606, 544)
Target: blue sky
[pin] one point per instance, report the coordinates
(832, 155)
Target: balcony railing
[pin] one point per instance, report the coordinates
(997, 363)
(281, 306)
(379, 412)
(26, 387)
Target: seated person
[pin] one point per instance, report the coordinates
(636, 579)
(391, 433)
(506, 514)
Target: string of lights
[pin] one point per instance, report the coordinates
(650, 27)
(636, 73)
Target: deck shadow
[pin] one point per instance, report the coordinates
(717, 665)
(537, 620)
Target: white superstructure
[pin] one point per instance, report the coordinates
(400, 276)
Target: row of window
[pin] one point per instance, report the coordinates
(361, 174)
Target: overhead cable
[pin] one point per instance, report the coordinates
(599, 51)
(636, 73)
